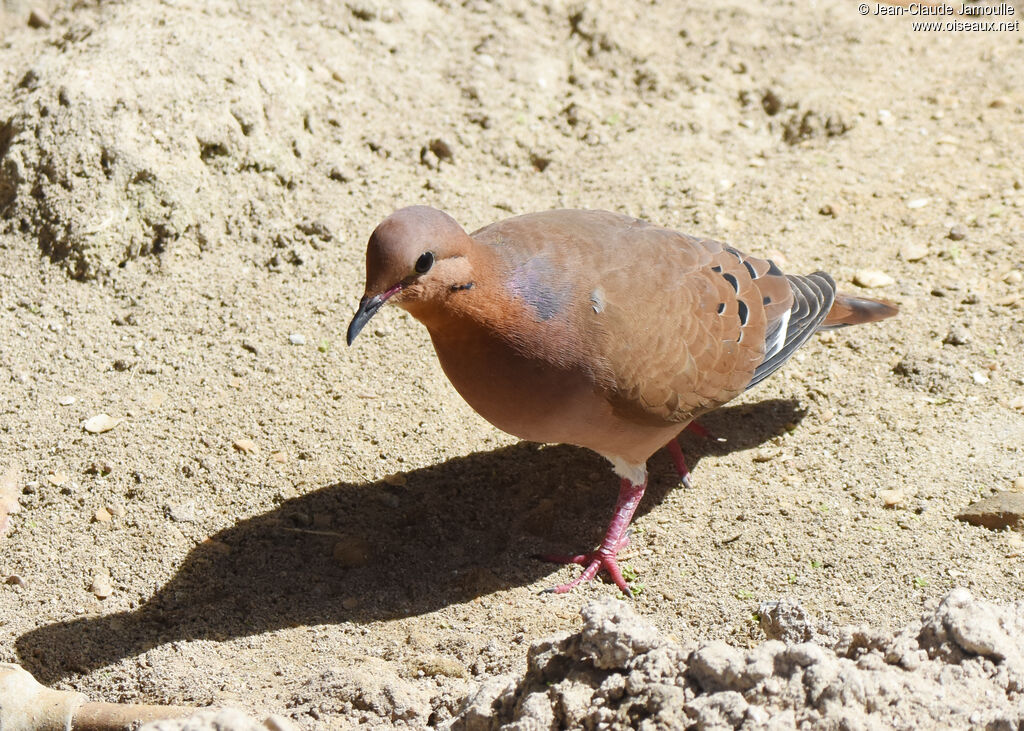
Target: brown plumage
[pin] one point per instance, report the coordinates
(597, 329)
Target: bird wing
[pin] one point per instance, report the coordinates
(669, 325)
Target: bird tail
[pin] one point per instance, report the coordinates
(850, 310)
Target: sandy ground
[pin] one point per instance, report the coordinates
(329, 533)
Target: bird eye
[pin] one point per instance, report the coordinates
(424, 263)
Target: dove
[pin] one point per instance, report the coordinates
(597, 329)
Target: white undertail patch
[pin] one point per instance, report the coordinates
(635, 473)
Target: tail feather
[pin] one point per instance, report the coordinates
(850, 310)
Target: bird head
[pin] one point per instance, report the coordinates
(415, 256)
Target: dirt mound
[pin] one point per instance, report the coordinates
(128, 136)
(961, 666)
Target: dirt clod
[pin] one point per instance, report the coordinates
(1004, 509)
(961, 665)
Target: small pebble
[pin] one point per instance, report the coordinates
(914, 251)
(117, 509)
(341, 174)
(1018, 484)
(100, 423)
(918, 202)
(67, 400)
(297, 339)
(101, 586)
(247, 446)
(215, 546)
(1013, 277)
(101, 516)
(57, 478)
(1017, 402)
(182, 513)
(38, 18)
(279, 457)
(275, 722)
(958, 233)
(892, 498)
(957, 335)
(871, 278)
(980, 378)
(829, 209)
(441, 148)
(15, 580)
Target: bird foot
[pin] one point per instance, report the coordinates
(676, 452)
(594, 562)
(615, 539)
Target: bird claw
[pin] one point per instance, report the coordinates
(594, 563)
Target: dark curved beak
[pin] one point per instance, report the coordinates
(368, 307)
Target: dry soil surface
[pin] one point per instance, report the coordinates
(281, 523)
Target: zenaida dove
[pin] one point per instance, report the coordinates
(597, 329)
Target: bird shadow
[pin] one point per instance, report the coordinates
(393, 548)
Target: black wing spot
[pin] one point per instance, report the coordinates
(750, 268)
(739, 339)
(766, 301)
(733, 281)
(716, 268)
(735, 253)
(774, 270)
(744, 312)
(721, 307)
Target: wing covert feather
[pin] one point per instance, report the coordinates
(676, 325)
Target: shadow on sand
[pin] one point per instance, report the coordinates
(452, 532)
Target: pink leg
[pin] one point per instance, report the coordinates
(676, 452)
(698, 429)
(614, 539)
